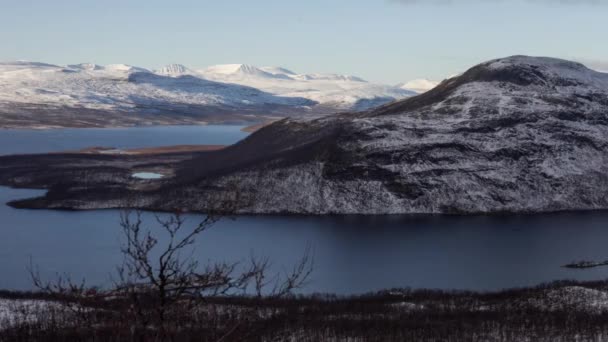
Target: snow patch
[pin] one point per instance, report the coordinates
(419, 86)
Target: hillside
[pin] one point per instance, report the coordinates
(518, 134)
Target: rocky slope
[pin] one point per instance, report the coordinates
(519, 134)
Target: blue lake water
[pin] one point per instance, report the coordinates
(352, 254)
(41, 141)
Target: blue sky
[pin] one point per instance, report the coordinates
(385, 41)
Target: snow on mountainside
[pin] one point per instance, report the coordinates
(38, 92)
(173, 70)
(419, 86)
(35, 92)
(335, 92)
(277, 71)
(121, 86)
(518, 134)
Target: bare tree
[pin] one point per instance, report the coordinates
(161, 285)
(167, 273)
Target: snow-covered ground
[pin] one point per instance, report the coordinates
(573, 298)
(14, 311)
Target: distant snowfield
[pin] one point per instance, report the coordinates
(121, 87)
(340, 91)
(419, 85)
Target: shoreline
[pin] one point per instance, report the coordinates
(249, 127)
(51, 127)
(106, 150)
(17, 204)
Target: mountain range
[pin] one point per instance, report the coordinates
(46, 95)
(517, 134)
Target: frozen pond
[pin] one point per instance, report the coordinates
(147, 175)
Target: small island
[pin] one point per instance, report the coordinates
(586, 264)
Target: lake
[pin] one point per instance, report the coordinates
(353, 254)
(19, 141)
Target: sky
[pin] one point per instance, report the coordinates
(385, 41)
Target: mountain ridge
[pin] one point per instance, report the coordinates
(518, 134)
(42, 94)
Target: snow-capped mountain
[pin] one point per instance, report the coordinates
(123, 87)
(39, 94)
(419, 85)
(87, 94)
(332, 91)
(518, 134)
(174, 70)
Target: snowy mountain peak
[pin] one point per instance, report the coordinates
(329, 77)
(248, 69)
(419, 85)
(26, 64)
(538, 71)
(223, 69)
(277, 71)
(86, 66)
(511, 85)
(102, 87)
(173, 70)
(545, 62)
(124, 68)
(243, 71)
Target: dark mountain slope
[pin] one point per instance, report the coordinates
(515, 134)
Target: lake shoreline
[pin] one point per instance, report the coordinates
(73, 168)
(350, 239)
